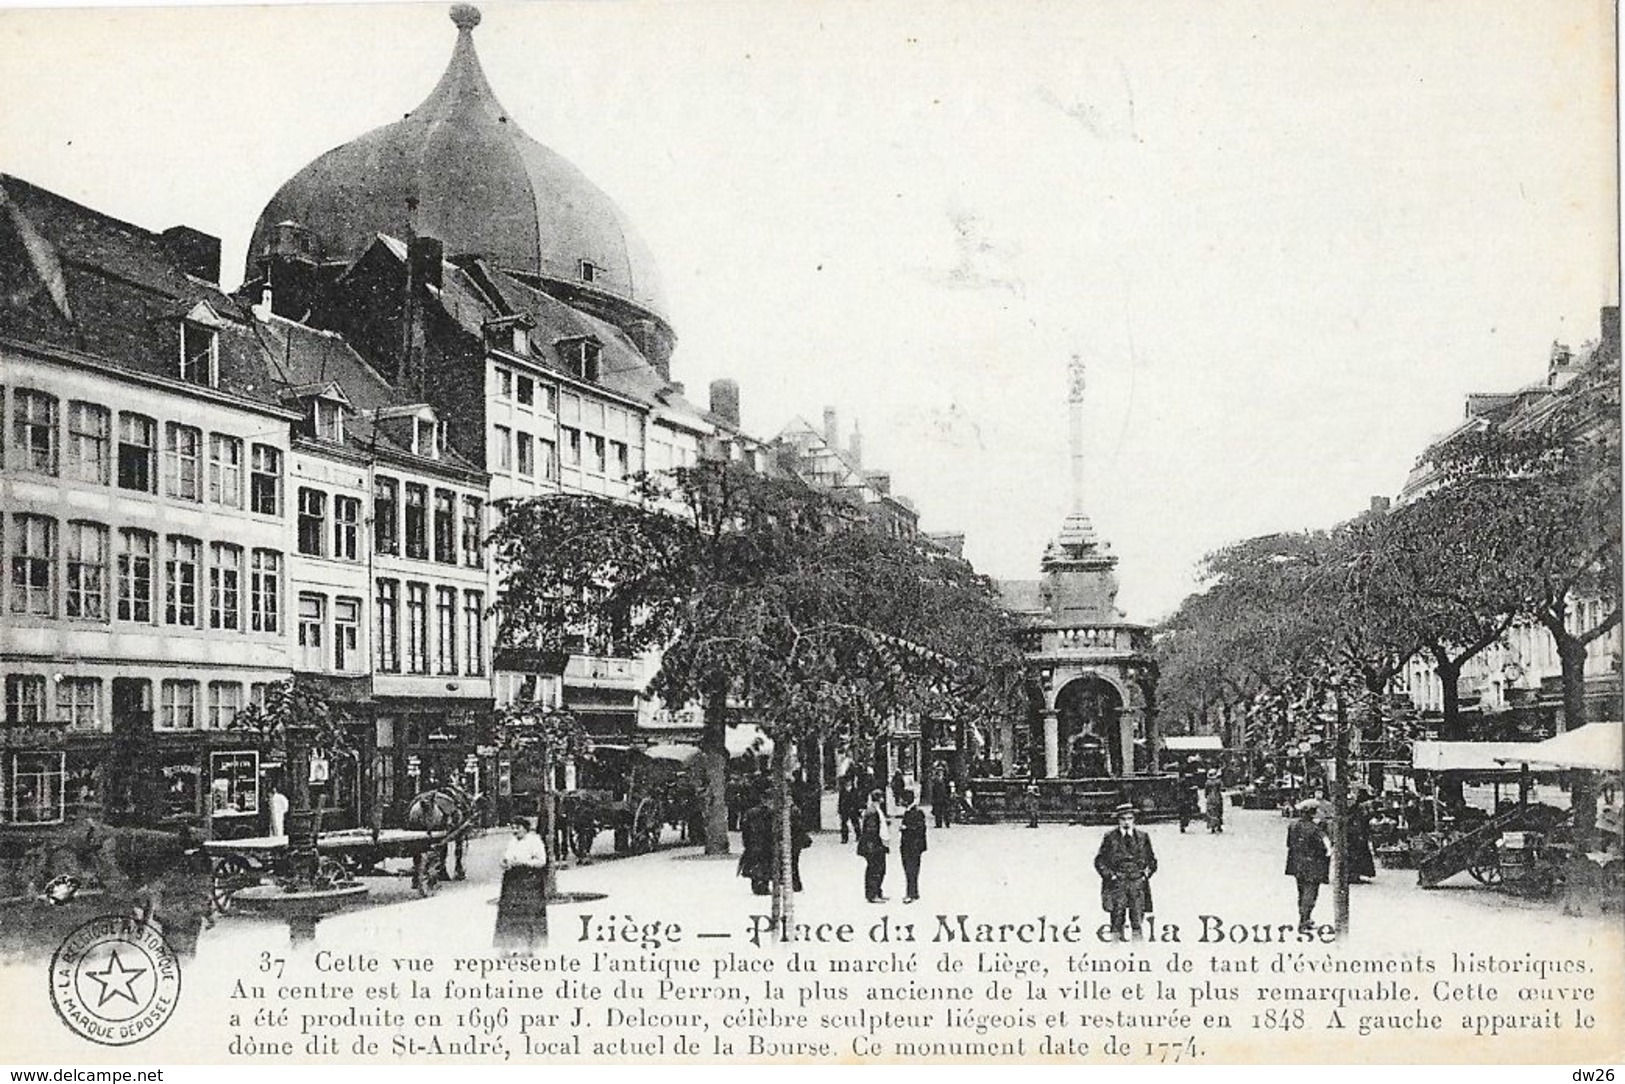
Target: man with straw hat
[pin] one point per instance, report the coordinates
(1125, 863)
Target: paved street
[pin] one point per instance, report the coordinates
(995, 873)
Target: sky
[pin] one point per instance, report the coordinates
(1285, 238)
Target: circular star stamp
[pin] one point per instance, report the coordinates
(114, 980)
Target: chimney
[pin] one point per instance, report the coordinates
(423, 260)
(855, 448)
(1380, 505)
(832, 428)
(725, 401)
(195, 252)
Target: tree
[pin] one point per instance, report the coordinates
(533, 738)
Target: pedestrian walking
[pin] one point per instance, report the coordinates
(756, 843)
(1190, 794)
(898, 785)
(800, 840)
(873, 839)
(522, 907)
(1362, 862)
(1126, 864)
(942, 798)
(1214, 796)
(1308, 860)
(911, 844)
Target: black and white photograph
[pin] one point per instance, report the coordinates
(811, 532)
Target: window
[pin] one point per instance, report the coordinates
(183, 448)
(385, 516)
(200, 356)
(473, 632)
(135, 575)
(389, 630)
(36, 788)
(527, 391)
(33, 564)
(225, 470)
(473, 532)
(327, 420)
(265, 481)
(527, 455)
(177, 708)
(504, 384)
(312, 520)
(550, 460)
(225, 585)
(346, 634)
(86, 596)
(346, 527)
(619, 460)
(582, 359)
(595, 445)
(312, 618)
(234, 782)
(265, 591)
(550, 399)
(225, 701)
(589, 271)
(425, 438)
(504, 448)
(445, 526)
(258, 691)
(25, 699)
(445, 630)
(90, 436)
(79, 703)
(181, 580)
(417, 521)
(572, 445)
(33, 417)
(417, 628)
(137, 451)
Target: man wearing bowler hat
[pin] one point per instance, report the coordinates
(1125, 863)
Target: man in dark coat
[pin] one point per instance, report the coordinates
(873, 840)
(757, 863)
(1362, 862)
(1308, 860)
(942, 797)
(1126, 864)
(849, 805)
(911, 844)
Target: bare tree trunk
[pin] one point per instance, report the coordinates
(784, 895)
(714, 754)
(550, 877)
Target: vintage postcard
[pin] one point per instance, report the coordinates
(814, 532)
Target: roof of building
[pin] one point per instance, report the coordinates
(80, 280)
(460, 169)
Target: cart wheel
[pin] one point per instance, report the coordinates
(645, 828)
(230, 873)
(426, 870)
(1485, 867)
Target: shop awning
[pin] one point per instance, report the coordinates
(747, 739)
(1470, 756)
(1595, 747)
(1193, 743)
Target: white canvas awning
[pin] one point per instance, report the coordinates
(1595, 747)
(747, 739)
(1470, 756)
(1193, 743)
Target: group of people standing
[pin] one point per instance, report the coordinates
(874, 843)
(1199, 794)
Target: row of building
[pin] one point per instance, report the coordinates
(203, 493)
(1512, 690)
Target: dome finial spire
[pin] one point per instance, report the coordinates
(465, 17)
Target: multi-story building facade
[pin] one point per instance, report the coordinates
(144, 490)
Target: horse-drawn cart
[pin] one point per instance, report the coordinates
(633, 792)
(441, 821)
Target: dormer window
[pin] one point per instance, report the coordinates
(427, 437)
(327, 420)
(200, 355)
(510, 333)
(581, 357)
(521, 340)
(589, 271)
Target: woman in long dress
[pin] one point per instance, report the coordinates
(522, 910)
